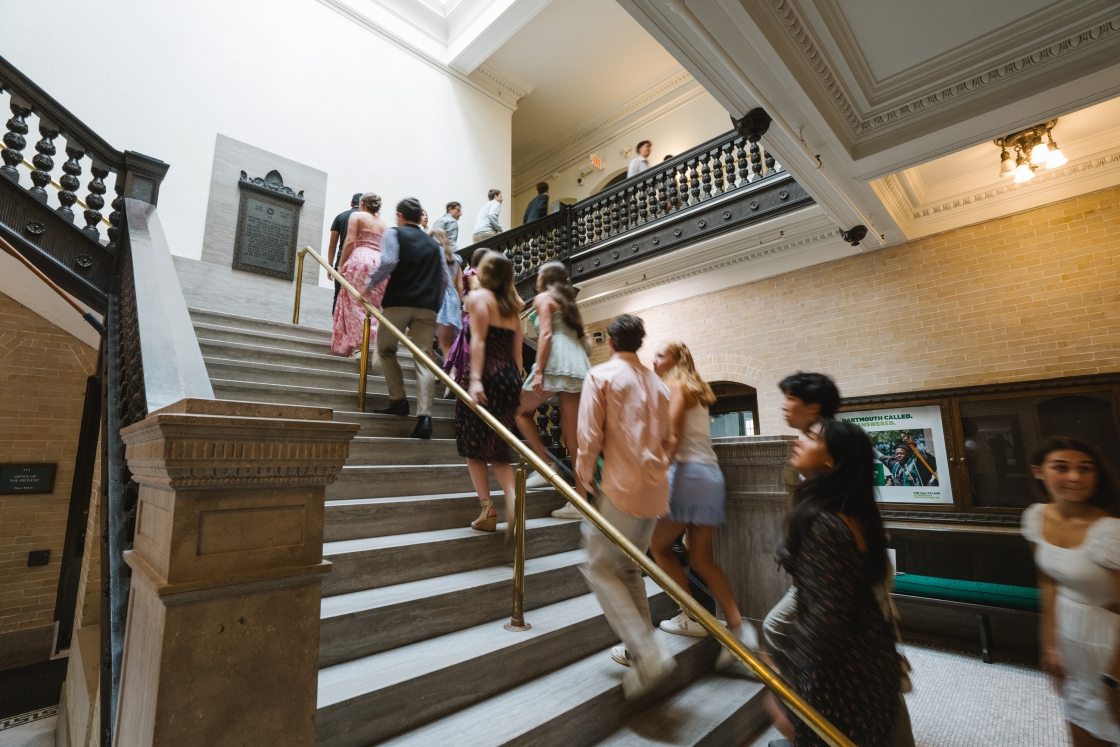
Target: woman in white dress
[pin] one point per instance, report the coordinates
(1076, 543)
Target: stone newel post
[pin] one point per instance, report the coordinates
(754, 468)
(222, 641)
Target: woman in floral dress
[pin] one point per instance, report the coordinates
(361, 256)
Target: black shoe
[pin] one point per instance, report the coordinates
(423, 427)
(400, 407)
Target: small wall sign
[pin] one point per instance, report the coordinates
(27, 478)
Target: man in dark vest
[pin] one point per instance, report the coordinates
(417, 273)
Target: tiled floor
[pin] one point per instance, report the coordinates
(959, 701)
(29, 730)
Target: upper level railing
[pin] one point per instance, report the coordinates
(656, 211)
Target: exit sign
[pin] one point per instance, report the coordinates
(596, 161)
(27, 478)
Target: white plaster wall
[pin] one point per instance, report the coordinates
(680, 129)
(290, 76)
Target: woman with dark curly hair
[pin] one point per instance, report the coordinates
(843, 649)
(361, 256)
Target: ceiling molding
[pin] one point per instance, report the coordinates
(608, 123)
(506, 84)
(864, 123)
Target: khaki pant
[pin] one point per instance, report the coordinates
(482, 235)
(616, 581)
(775, 637)
(421, 327)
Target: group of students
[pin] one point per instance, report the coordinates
(643, 450)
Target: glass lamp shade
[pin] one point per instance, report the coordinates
(1039, 153)
(1023, 172)
(1054, 157)
(1006, 165)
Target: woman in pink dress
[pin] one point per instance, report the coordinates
(361, 256)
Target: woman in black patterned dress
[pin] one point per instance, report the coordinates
(495, 383)
(844, 658)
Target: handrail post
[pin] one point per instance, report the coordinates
(299, 284)
(517, 622)
(364, 365)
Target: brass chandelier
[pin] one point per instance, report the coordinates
(1031, 152)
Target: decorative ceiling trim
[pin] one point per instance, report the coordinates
(863, 123)
(757, 253)
(503, 82)
(594, 125)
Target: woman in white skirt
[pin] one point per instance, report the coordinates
(696, 494)
(1076, 543)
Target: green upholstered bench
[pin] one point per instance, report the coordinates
(977, 597)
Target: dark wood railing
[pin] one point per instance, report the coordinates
(659, 210)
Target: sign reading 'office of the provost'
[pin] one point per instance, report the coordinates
(267, 226)
(27, 478)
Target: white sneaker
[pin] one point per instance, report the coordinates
(537, 479)
(745, 633)
(621, 655)
(568, 512)
(682, 624)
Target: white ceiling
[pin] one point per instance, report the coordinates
(581, 57)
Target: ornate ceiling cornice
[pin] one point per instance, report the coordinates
(502, 82)
(862, 123)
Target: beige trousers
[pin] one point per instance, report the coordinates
(421, 327)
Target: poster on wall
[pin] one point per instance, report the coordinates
(910, 453)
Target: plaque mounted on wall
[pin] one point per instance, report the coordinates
(267, 226)
(37, 477)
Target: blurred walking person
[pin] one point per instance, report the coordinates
(449, 319)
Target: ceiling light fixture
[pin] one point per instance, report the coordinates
(1034, 148)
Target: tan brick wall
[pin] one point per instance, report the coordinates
(1030, 296)
(43, 374)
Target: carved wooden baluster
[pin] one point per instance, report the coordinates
(728, 152)
(581, 227)
(744, 161)
(671, 190)
(643, 200)
(657, 196)
(554, 431)
(756, 162)
(706, 179)
(631, 208)
(115, 216)
(614, 215)
(518, 249)
(69, 182)
(597, 211)
(95, 201)
(14, 140)
(717, 172)
(542, 425)
(769, 163)
(694, 190)
(42, 161)
(550, 246)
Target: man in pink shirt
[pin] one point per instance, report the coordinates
(624, 415)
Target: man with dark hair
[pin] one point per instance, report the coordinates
(538, 206)
(338, 239)
(624, 415)
(487, 224)
(413, 262)
(809, 398)
(641, 163)
(450, 224)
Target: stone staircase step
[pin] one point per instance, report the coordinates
(376, 697)
(721, 709)
(250, 391)
(224, 319)
(372, 450)
(378, 517)
(272, 373)
(392, 426)
(266, 354)
(394, 481)
(406, 613)
(376, 562)
(239, 336)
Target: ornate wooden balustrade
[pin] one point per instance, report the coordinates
(721, 185)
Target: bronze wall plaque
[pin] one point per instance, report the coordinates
(267, 226)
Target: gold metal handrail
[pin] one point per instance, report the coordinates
(767, 676)
(57, 186)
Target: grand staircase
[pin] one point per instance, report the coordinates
(412, 648)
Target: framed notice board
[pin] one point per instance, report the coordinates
(30, 478)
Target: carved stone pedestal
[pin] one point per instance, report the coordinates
(754, 468)
(222, 641)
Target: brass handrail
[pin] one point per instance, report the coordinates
(58, 186)
(767, 676)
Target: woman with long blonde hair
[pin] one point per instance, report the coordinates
(450, 318)
(696, 494)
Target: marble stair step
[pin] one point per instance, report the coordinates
(721, 709)
(272, 373)
(574, 706)
(392, 481)
(225, 319)
(392, 426)
(241, 336)
(361, 518)
(320, 361)
(250, 391)
(376, 562)
(372, 450)
(376, 697)
(406, 613)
